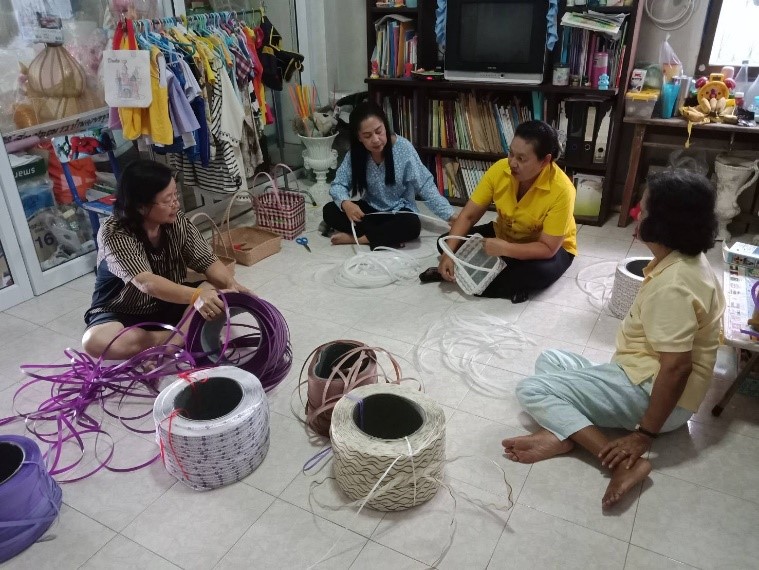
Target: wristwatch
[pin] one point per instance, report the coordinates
(644, 431)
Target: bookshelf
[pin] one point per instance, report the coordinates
(419, 94)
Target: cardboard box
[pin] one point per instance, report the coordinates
(742, 254)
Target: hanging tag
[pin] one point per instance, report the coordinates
(126, 77)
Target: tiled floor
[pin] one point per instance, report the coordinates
(700, 507)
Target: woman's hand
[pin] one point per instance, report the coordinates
(630, 448)
(208, 304)
(496, 247)
(237, 288)
(445, 267)
(353, 211)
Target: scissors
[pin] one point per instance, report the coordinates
(304, 242)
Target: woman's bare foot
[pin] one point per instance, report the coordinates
(623, 479)
(341, 238)
(536, 447)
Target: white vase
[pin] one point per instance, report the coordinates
(735, 173)
(319, 157)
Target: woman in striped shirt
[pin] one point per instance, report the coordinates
(144, 250)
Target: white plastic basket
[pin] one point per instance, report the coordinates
(473, 268)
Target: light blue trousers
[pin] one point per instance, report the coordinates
(568, 393)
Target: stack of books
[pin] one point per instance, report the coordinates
(395, 46)
(473, 124)
(400, 114)
(457, 178)
(581, 40)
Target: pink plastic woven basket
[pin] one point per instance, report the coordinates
(280, 211)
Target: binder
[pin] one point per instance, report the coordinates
(577, 112)
(602, 138)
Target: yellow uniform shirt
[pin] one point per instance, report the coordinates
(678, 309)
(547, 207)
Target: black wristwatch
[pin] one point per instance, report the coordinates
(644, 431)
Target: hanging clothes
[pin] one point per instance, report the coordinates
(208, 109)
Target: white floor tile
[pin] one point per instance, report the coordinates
(289, 537)
(128, 494)
(377, 557)
(558, 322)
(525, 540)
(566, 292)
(12, 327)
(696, 525)
(603, 247)
(741, 414)
(424, 532)
(328, 501)
(49, 306)
(583, 261)
(291, 445)
(604, 335)
(710, 456)
(41, 346)
(71, 324)
(123, 554)
(523, 361)
(196, 529)
(571, 487)
(475, 445)
(642, 559)
(402, 321)
(84, 284)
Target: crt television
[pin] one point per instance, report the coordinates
(496, 41)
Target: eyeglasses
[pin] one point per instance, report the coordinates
(168, 204)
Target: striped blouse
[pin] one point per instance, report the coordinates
(122, 256)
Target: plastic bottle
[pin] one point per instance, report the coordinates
(752, 92)
(741, 78)
(754, 108)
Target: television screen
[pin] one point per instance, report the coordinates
(496, 32)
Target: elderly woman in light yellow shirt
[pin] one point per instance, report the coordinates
(535, 232)
(666, 348)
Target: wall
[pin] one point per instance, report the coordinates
(685, 41)
(334, 35)
(350, 44)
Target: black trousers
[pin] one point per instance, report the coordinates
(387, 230)
(520, 275)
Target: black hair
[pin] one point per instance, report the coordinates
(140, 181)
(679, 212)
(542, 137)
(359, 154)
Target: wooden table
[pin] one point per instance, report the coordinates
(677, 127)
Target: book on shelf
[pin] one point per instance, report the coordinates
(458, 177)
(400, 114)
(578, 48)
(395, 45)
(475, 124)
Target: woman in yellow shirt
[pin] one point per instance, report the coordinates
(535, 232)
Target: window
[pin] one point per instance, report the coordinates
(730, 35)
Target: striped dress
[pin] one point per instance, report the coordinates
(122, 256)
